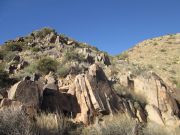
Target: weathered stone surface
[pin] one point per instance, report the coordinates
(22, 65)
(94, 95)
(156, 93)
(102, 58)
(26, 92)
(154, 114)
(50, 78)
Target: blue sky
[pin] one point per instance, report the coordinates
(110, 25)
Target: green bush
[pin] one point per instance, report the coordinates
(14, 46)
(73, 56)
(163, 50)
(62, 71)
(46, 65)
(35, 49)
(32, 68)
(7, 55)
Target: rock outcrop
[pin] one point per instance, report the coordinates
(161, 106)
(96, 98)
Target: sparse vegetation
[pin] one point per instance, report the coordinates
(43, 32)
(63, 70)
(123, 56)
(73, 56)
(35, 49)
(45, 65)
(163, 50)
(118, 125)
(4, 77)
(13, 121)
(14, 46)
(155, 44)
(52, 124)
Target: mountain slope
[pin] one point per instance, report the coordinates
(47, 72)
(161, 55)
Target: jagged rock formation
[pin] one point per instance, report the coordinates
(79, 81)
(161, 105)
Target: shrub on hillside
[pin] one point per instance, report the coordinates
(46, 65)
(63, 70)
(43, 32)
(35, 49)
(122, 56)
(4, 77)
(14, 46)
(73, 56)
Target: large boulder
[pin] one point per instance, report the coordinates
(27, 92)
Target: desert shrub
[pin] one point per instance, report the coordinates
(2, 54)
(52, 124)
(163, 50)
(73, 56)
(45, 65)
(122, 56)
(150, 66)
(155, 44)
(117, 125)
(7, 55)
(32, 68)
(35, 49)
(4, 77)
(43, 32)
(13, 121)
(63, 70)
(14, 46)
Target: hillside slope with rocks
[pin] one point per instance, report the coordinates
(159, 54)
(46, 74)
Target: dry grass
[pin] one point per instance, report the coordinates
(117, 125)
(155, 129)
(13, 121)
(52, 124)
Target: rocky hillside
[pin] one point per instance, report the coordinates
(160, 55)
(46, 74)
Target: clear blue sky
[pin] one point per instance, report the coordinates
(110, 25)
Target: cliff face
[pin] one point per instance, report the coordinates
(45, 71)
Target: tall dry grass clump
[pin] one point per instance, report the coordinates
(13, 121)
(52, 124)
(117, 125)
